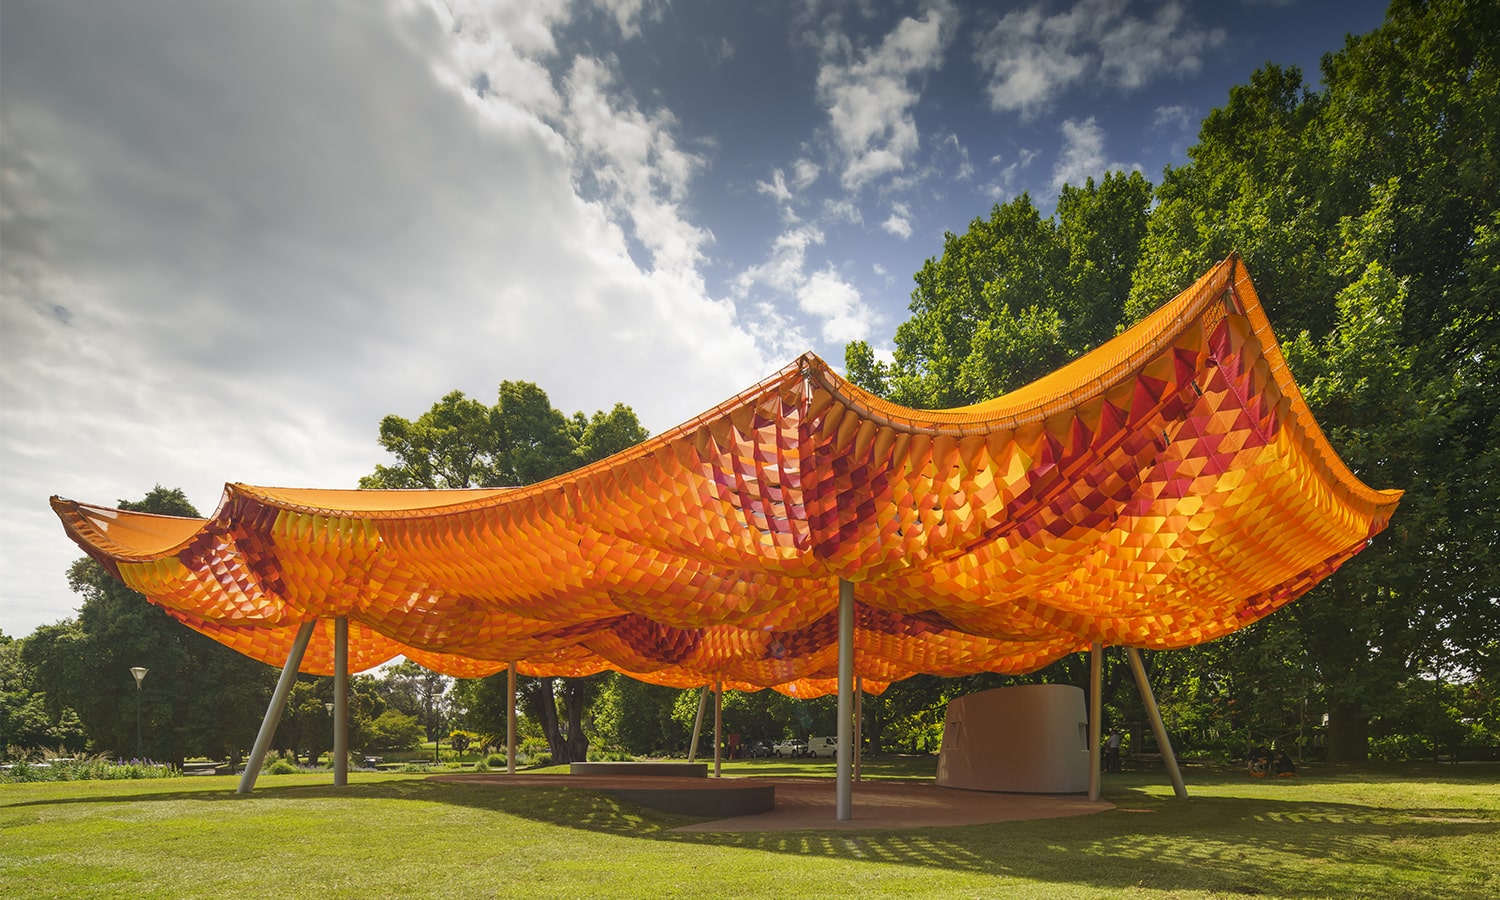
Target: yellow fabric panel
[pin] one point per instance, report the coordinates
(1162, 491)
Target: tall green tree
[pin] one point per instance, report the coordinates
(1368, 214)
(522, 439)
(418, 692)
(198, 697)
(1014, 297)
(25, 724)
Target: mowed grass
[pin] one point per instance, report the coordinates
(1423, 832)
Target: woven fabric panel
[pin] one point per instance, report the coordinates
(1162, 491)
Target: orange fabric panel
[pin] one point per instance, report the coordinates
(1162, 491)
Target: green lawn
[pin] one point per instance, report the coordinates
(1428, 831)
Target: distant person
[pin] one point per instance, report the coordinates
(1112, 751)
(1282, 765)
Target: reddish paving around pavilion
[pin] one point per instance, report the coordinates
(807, 804)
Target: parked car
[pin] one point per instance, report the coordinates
(789, 747)
(823, 746)
(758, 748)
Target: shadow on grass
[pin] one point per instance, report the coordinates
(1248, 846)
(1288, 846)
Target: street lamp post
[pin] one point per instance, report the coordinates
(140, 673)
(328, 705)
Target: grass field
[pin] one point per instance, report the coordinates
(1417, 831)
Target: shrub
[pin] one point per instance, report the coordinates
(394, 730)
(481, 766)
(610, 754)
(281, 767)
(91, 768)
(496, 761)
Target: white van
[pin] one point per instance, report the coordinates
(823, 746)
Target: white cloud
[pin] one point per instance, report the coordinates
(628, 13)
(899, 223)
(783, 271)
(1173, 118)
(777, 190)
(237, 235)
(1032, 56)
(1135, 51)
(842, 211)
(1003, 186)
(833, 302)
(1082, 156)
(804, 173)
(869, 94)
(837, 303)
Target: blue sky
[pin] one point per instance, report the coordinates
(233, 236)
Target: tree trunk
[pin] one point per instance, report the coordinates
(578, 742)
(875, 724)
(546, 710)
(1348, 733)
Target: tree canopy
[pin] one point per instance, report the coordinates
(522, 439)
(1369, 211)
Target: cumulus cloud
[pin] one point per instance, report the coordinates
(782, 271)
(778, 191)
(627, 14)
(899, 223)
(270, 224)
(837, 303)
(804, 173)
(1082, 155)
(869, 94)
(1032, 55)
(830, 299)
(1007, 173)
(1173, 118)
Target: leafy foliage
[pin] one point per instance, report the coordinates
(1014, 297)
(1369, 213)
(198, 697)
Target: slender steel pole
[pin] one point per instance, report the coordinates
(718, 724)
(1157, 727)
(1096, 709)
(510, 718)
(277, 704)
(843, 790)
(341, 701)
(139, 673)
(698, 724)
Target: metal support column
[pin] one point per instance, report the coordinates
(341, 701)
(1096, 708)
(843, 792)
(277, 704)
(1157, 728)
(510, 718)
(718, 726)
(698, 724)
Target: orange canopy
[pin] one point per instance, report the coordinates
(1164, 490)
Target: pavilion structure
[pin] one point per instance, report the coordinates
(1164, 490)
